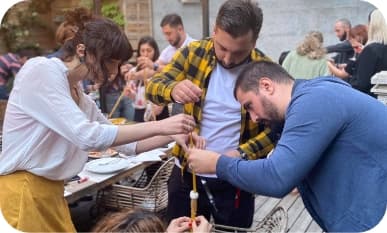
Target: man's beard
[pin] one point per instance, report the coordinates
(176, 42)
(272, 112)
(343, 37)
(232, 65)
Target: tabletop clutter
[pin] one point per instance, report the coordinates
(122, 181)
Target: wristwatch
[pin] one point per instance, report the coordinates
(242, 154)
(155, 66)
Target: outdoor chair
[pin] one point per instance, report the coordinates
(275, 222)
(149, 192)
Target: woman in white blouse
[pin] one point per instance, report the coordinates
(50, 125)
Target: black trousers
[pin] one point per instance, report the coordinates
(232, 211)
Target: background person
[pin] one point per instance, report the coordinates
(358, 37)
(10, 64)
(110, 92)
(148, 53)
(334, 153)
(308, 60)
(373, 57)
(174, 32)
(343, 50)
(139, 220)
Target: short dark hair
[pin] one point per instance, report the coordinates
(249, 78)
(152, 42)
(172, 20)
(345, 22)
(238, 17)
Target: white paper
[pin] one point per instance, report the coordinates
(67, 193)
(153, 155)
(95, 177)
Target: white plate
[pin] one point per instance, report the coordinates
(149, 156)
(107, 165)
(169, 147)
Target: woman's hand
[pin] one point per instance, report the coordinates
(144, 62)
(143, 74)
(130, 90)
(183, 140)
(157, 109)
(131, 75)
(178, 225)
(125, 68)
(201, 225)
(183, 224)
(178, 124)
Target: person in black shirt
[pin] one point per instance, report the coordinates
(343, 49)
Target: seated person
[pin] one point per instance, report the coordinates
(10, 64)
(139, 220)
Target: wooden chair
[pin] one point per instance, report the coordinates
(275, 222)
(150, 193)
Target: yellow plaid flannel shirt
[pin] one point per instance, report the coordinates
(196, 62)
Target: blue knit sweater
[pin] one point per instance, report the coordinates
(333, 148)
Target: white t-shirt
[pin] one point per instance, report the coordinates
(221, 123)
(44, 131)
(167, 53)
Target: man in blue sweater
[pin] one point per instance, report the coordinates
(333, 147)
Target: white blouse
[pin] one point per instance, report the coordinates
(44, 130)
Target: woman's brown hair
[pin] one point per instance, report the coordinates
(73, 20)
(103, 40)
(135, 220)
(359, 33)
(152, 42)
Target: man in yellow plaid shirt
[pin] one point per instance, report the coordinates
(202, 76)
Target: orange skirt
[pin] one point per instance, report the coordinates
(31, 203)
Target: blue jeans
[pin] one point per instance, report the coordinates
(4, 93)
(124, 109)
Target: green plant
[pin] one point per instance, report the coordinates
(19, 22)
(113, 12)
(89, 4)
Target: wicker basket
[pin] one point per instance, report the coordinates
(275, 222)
(149, 192)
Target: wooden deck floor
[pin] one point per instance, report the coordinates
(299, 219)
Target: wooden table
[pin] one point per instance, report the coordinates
(74, 190)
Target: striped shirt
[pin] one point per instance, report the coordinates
(9, 66)
(196, 62)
